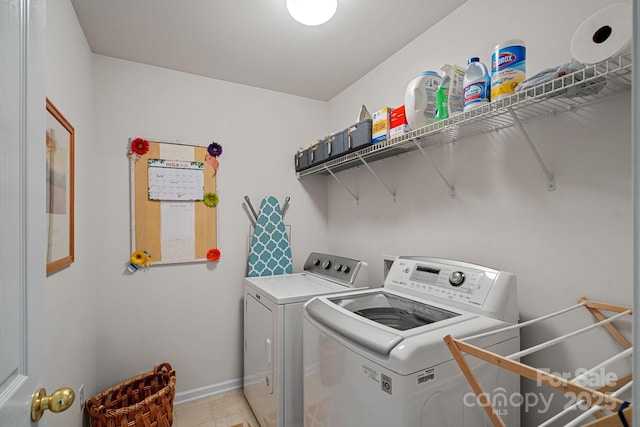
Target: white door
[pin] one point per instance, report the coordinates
(22, 245)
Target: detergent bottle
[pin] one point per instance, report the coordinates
(477, 85)
(442, 100)
(420, 99)
(455, 74)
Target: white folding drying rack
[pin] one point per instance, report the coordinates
(603, 403)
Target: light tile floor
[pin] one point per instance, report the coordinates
(228, 409)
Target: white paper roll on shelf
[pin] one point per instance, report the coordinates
(604, 35)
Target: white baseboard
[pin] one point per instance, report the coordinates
(210, 390)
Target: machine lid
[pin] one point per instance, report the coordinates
(392, 310)
(375, 339)
(292, 288)
(401, 351)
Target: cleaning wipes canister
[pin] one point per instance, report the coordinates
(420, 99)
(477, 84)
(507, 68)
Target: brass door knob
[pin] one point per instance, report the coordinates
(60, 400)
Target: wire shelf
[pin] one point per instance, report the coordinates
(592, 84)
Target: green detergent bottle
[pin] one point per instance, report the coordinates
(442, 100)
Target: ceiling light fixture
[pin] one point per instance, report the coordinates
(312, 12)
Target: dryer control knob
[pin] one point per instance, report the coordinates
(326, 264)
(337, 267)
(456, 278)
(315, 261)
(346, 269)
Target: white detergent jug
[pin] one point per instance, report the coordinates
(420, 99)
(477, 85)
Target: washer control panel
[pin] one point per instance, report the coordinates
(451, 280)
(347, 270)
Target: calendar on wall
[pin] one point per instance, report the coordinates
(173, 201)
(175, 180)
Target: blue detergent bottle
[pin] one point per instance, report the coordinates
(477, 85)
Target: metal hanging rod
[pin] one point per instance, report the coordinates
(285, 206)
(253, 211)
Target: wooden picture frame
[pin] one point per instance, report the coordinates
(59, 190)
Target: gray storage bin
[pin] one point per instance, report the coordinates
(358, 136)
(352, 138)
(319, 152)
(337, 144)
(301, 160)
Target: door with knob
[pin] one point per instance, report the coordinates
(23, 231)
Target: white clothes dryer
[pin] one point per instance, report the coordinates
(273, 307)
(376, 357)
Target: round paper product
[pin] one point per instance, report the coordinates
(604, 35)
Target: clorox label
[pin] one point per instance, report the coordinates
(507, 70)
(504, 60)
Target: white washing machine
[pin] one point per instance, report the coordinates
(273, 333)
(376, 358)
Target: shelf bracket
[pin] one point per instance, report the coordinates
(551, 182)
(393, 194)
(452, 191)
(342, 184)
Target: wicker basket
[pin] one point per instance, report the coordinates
(143, 401)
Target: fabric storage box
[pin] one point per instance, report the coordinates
(145, 400)
(319, 152)
(301, 160)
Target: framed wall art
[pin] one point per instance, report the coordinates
(60, 189)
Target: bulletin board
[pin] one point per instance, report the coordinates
(169, 224)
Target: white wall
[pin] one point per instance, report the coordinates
(117, 325)
(564, 244)
(560, 244)
(191, 315)
(71, 327)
